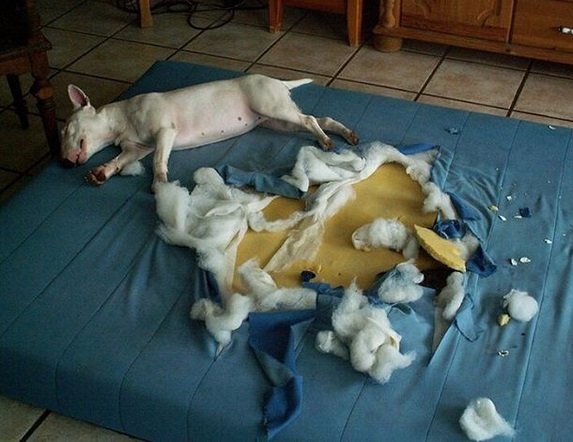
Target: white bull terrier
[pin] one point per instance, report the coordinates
(183, 119)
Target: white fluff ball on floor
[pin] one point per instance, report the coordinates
(520, 305)
(481, 421)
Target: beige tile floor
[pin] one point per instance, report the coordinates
(101, 49)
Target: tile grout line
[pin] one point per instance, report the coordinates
(519, 89)
(35, 426)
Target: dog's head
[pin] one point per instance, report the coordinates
(86, 131)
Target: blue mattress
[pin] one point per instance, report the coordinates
(94, 306)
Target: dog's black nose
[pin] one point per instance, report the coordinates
(67, 163)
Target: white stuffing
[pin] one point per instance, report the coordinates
(222, 321)
(481, 421)
(314, 166)
(404, 286)
(467, 245)
(212, 220)
(437, 201)
(520, 305)
(389, 359)
(265, 294)
(133, 169)
(452, 295)
(389, 233)
(366, 332)
(327, 342)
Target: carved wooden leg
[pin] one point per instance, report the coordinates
(354, 21)
(44, 93)
(276, 9)
(387, 20)
(144, 14)
(19, 101)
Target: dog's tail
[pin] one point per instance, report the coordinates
(296, 83)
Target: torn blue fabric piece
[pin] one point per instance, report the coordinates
(481, 263)
(450, 228)
(466, 211)
(261, 182)
(464, 320)
(525, 212)
(272, 338)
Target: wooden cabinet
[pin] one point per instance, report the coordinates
(533, 28)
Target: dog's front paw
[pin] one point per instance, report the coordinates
(96, 176)
(158, 179)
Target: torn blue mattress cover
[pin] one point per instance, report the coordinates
(103, 332)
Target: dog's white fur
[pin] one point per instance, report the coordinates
(182, 119)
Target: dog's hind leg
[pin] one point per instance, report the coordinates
(331, 125)
(316, 126)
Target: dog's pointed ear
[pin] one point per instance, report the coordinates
(78, 97)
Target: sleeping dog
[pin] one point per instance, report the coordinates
(183, 119)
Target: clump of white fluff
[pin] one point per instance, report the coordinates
(437, 201)
(133, 169)
(520, 305)
(265, 294)
(172, 202)
(388, 233)
(222, 321)
(363, 334)
(452, 295)
(481, 421)
(402, 285)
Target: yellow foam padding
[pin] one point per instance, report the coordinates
(388, 193)
(439, 248)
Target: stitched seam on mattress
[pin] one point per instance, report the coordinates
(70, 261)
(34, 230)
(184, 292)
(192, 398)
(548, 266)
(110, 295)
(49, 215)
(458, 335)
(454, 152)
(444, 382)
(358, 396)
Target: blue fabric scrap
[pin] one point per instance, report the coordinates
(481, 263)
(466, 211)
(450, 228)
(464, 320)
(272, 339)
(261, 182)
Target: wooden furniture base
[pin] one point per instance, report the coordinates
(23, 49)
(353, 9)
(538, 29)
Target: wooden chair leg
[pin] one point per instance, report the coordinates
(19, 101)
(276, 10)
(43, 90)
(144, 14)
(354, 17)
